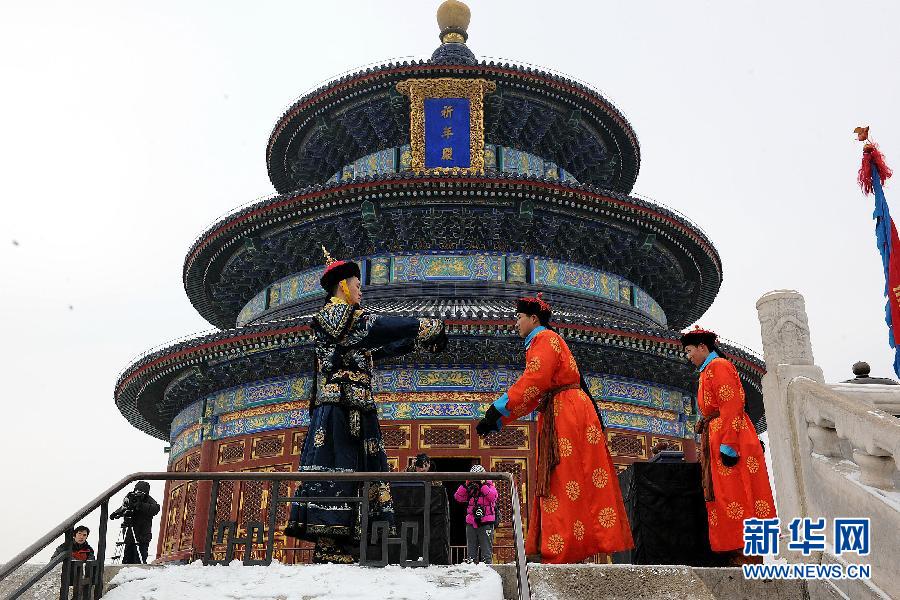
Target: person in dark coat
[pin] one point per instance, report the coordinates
(344, 434)
(138, 509)
(81, 550)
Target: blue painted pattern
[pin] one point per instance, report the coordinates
(187, 417)
(648, 306)
(577, 278)
(461, 266)
(523, 163)
(513, 161)
(183, 443)
(444, 267)
(281, 403)
(639, 393)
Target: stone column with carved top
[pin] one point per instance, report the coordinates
(787, 350)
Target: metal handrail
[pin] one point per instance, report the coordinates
(102, 502)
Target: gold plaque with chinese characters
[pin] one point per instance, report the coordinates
(446, 123)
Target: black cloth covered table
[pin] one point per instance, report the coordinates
(409, 499)
(665, 506)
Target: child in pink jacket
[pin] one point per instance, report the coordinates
(480, 497)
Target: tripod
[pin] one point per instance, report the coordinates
(126, 539)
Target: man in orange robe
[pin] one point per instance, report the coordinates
(578, 509)
(735, 479)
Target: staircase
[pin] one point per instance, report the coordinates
(562, 582)
(834, 450)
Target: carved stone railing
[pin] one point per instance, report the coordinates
(836, 419)
(834, 454)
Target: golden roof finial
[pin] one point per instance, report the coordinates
(453, 19)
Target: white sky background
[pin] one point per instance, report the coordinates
(126, 128)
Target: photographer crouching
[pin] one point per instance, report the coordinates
(480, 497)
(137, 512)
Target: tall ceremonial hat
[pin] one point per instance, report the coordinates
(535, 306)
(337, 271)
(697, 335)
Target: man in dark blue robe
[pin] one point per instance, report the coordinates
(344, 434)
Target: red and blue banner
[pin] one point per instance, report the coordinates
(872, 175)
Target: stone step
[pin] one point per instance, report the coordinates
(568, 582)
(48, 586)
(637, 582)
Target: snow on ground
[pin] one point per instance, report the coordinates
(306, 582)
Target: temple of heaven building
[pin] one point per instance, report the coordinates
(458, 185)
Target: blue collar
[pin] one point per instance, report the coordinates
(531, 335)
(708, 360)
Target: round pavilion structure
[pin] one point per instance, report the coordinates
(542, 205)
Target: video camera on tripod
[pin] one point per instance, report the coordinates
(136, 512)
(126, 511)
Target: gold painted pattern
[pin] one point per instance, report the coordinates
(578, 530)
(593, 434)
(531, 393)
(722, 469)
(550, 504)
(726, 393)
(573, 490)
(414, 397)
(445, 377)
(353, 376)
(734, 510)
(565, 447)
(752, 464)
(428, 328)
(554, 343)
(556, 544)
(638, 410)
(319, 438)
(534, 365)
(607, 517)
(445, 87)
(762, 509)
(262, 410)
(600, 477)
(713, 517)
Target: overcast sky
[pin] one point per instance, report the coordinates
(128, 127)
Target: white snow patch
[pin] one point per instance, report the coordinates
(891, 497)
(307, 582)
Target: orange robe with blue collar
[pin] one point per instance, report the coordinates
(583, 513)
(742, 491)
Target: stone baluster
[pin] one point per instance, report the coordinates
(876, 467)
(824, 438)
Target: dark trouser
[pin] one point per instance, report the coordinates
(130, 555)
(480, 538)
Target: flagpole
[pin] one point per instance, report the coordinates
(871, 177)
